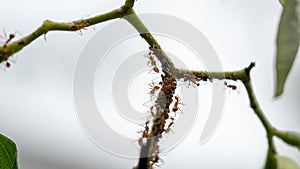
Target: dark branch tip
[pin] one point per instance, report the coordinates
(248, 69)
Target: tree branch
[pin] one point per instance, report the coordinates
(230, 75)
(258, 111)
(168, 67)
(8, 49)
(129, 3)
(167, 64)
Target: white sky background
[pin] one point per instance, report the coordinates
(36, 104)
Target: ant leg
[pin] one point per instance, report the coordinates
(3, 66)
(147, 104)
(13, 59)
(79, 32)
(154, 70)
(45, 38)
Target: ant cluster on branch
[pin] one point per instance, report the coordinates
(162, 112)
(164, 106)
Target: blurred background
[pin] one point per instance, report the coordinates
(36, 103)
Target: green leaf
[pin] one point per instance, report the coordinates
(282, 2)
(8, 153)
(286, 163)
(288, 38)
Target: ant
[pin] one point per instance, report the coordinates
(152, 61)
(233, 87)
(147, 104)
(153, 88)
(145, 133)
(151, 111)
(169, 86)
(77, 25)
(175, 107)
(11, 36)
(169, 126)
(155, 156)
(189, 78)
(80, 25)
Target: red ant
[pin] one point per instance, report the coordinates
(151, 111)
(233, 87)
(169, 126)
(169, 86)
(153, 88)
(152, 61)
(155, 157)
(189, 78)
(77, 25)
(162, 120)
(11, 36)
(175, 107)
(145, 133)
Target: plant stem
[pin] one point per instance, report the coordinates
(167, 64)
(9, 49)
(258, 111)
(244, 76)
(256, 108)
(129, 3)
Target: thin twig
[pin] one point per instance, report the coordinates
(167, 64)
(8, 50)
(258, 111)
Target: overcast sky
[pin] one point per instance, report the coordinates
(36, 103)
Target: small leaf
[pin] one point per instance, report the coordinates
(288, 38)
(286, 163)
(271, 162)
(289, 137)
(8, 153)
(282, 2)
